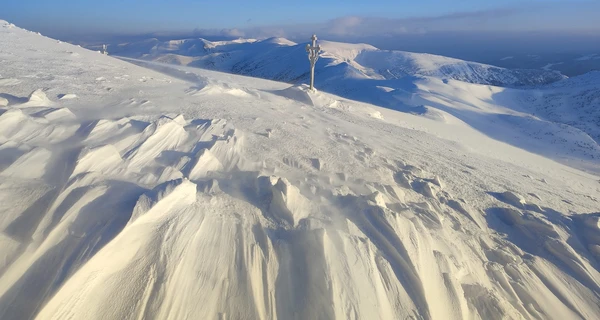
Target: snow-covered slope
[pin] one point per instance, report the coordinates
(126, 193)
(283, 60)
(401, 81)
(574, 102)
(555, 122)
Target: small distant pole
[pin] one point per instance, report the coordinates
(313, 55)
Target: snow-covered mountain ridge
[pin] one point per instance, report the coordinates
(127, 193)
(282, 60)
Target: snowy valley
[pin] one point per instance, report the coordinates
(409, 186)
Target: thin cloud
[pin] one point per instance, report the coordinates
(226, 33)
(365, 26)
(527, 17)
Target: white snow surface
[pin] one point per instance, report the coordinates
(168, 192)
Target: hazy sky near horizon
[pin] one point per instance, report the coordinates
(282, 18)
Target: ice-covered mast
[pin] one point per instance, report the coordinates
(313, 55)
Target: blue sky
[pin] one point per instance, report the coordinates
(131, 16)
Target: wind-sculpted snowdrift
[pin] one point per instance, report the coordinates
(267, 207)
(204, 219)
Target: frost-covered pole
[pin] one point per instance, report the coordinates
(313, 55)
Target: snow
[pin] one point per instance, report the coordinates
(67, 96)
(169, 192)
(275, 40)
(9, 82)
(573, 103)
